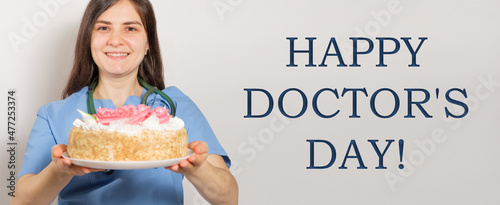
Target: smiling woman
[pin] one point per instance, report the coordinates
(97, 19)
(119, 41)
(118, 45)
(117, 48)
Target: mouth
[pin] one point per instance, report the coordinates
(117, 54)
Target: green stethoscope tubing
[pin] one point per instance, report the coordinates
(151, 89)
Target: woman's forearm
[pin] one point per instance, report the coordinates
(214, 182)
(41, 188)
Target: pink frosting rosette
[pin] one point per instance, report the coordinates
(131, 114)
(162, 114)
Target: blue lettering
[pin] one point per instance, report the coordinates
(355, 51)
(304, 102)
(293, 51)
(249, 103)
(337, 53)
(357, 156)
(380, 155)
(382, 52)
(354, 100)
(456, 102)
(414, 52)
(396, 104)
(418, 104)
(311, 155)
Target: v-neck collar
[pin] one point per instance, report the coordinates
(108, 103)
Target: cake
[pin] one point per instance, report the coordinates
(129, 133)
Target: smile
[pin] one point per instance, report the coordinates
(117, 54)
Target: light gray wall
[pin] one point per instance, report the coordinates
(215, 49)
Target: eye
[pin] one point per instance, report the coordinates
(103, 28)
(131, 29)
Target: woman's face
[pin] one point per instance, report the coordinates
(119, 41)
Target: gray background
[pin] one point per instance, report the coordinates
(214, 49)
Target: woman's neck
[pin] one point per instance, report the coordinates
(117, 89)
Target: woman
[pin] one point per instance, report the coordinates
(117, 43)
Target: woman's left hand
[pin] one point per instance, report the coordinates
(195, 161)
(209, 174)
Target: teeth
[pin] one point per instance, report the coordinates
(117, 54)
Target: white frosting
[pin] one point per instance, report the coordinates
(174, 123)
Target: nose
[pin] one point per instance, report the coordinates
(115, 38)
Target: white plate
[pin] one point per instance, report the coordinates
(126, 164)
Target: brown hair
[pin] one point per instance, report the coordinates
(85, 70)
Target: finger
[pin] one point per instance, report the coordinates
(66, 162)
(202, 148)
(87, 170)
(174, 168)
(196, 159)
(198, 147)
(58, 149)
(192, 158)
(57, 152)
(184, 164)
(192, 144)
(77, 170)
(67, 166)
(63, 164)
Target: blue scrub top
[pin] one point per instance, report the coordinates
(143, 186)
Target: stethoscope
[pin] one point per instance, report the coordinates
(151, 89)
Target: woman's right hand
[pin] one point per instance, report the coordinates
(43, 188)
(64, 166)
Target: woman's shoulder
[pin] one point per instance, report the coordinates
(75, 97)
(181, 100)
(176, 94)
(74, 101)
(174, 91)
